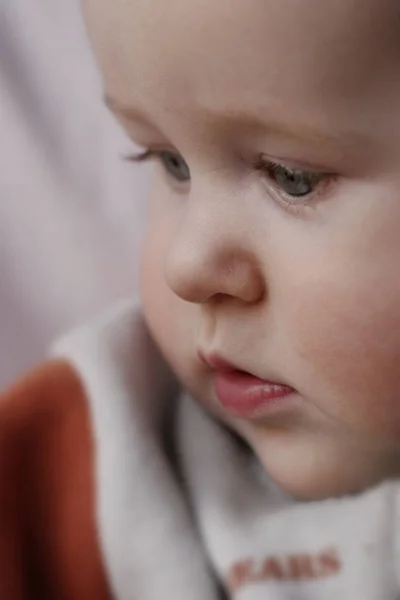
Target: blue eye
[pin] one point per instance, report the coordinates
(293, 182)
(175, 165)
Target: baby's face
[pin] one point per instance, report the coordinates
(274, 224)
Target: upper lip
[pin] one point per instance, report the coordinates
(217, 362)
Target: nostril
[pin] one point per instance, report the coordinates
(219, 298)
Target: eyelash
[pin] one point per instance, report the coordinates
(319, 179)
(161, 155)
(143, 156)
(267, 168)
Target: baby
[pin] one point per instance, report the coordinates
(273, 236)
(270, 285)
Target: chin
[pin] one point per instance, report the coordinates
(309, 489)
(316, 472)
(316, 486)
(306, 486)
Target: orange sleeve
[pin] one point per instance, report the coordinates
(48, 537)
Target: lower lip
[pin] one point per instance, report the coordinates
(245, 396)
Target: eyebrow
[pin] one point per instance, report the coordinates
(129, 113)
(299, 131)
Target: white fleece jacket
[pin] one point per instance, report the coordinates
(209, 523)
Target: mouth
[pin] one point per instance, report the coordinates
(242, 394)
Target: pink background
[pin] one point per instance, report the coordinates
(71, 211)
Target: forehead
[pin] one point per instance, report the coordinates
(301, 55)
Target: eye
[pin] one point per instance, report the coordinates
(293, 182)
(175, 165)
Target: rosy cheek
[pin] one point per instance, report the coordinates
(165, 313)
(154, 294)
(347, 339)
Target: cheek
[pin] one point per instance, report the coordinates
(348, 342)
(157, 300)
(169, 318)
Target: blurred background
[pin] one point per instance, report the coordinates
(71, 210)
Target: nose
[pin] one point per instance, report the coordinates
(212, 256)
